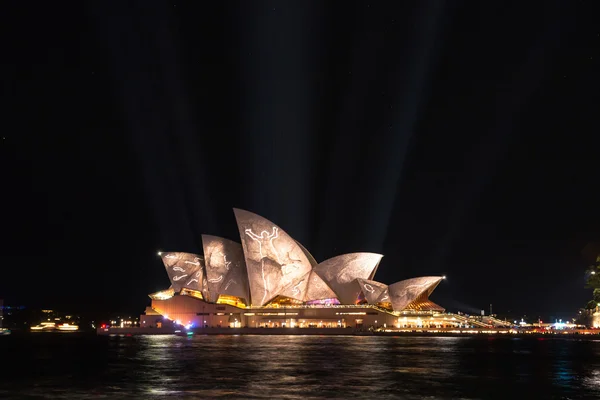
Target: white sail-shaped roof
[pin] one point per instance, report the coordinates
(405, 292)
(184, 270)
(274, 261)
(225, 268)
(373, 290)
(269, 263)
(341, 273)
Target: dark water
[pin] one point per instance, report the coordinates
(75, 366)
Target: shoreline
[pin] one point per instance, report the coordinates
(580, 333)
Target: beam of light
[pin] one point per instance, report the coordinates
(410, 88)
(281, 96)
(156, 108)
(494, 144)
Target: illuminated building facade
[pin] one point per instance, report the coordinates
(596, 317)
(270, 280)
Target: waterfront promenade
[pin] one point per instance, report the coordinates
(349, 331)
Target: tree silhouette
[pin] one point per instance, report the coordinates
(593, 282)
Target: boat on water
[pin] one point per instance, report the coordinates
(67, 328)
(53, 327)
(44, 327)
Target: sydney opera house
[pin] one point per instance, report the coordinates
(272, 281)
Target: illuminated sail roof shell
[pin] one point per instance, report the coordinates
(269, 264)
(185, 270)
(405, 292)
(375, 292)
(316, 288)
(225, 268)
(309, 256)
(341, 273)
(274, 261)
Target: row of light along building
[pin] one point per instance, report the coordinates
(269, 280)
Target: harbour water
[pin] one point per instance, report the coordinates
(83, 366)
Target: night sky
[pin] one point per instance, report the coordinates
(456, 138)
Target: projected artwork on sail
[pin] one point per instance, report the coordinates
(185, 270)
(405, 292)
(341, 273)
(225, 268)
(274, 260)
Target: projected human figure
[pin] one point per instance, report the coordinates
(266, 249)
(265, 243)
(265, 281)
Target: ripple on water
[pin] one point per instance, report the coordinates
(297, 367)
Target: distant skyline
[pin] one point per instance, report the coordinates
(456, 139)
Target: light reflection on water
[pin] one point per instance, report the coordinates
(297, 367)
